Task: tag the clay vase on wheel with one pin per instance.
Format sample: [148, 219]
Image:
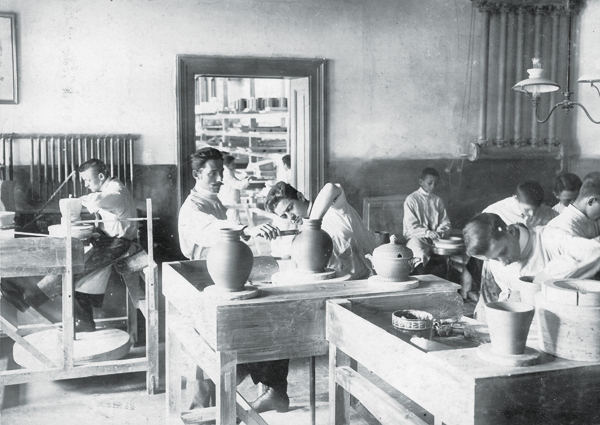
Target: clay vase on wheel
[312, 247]
[230, 261]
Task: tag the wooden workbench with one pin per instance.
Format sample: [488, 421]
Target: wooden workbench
[453, 384]
[286, 321]
[40, 256]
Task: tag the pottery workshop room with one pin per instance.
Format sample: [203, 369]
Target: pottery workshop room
[311, 212]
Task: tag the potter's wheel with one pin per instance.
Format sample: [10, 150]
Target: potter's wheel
[296, 276]
[250, 291]
[410, 283]
[529, 357]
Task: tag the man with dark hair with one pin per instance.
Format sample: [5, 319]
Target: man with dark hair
[425, 218]
[203, 215]
[110, 200]
[517, 250]
[349, 234]
[201, 218]
[525, 206]
[581, 217]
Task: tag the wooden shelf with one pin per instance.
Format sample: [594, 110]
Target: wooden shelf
[234, 115]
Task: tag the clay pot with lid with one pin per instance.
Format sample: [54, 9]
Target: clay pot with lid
[393, 261]
[230, 261]
[312, 247]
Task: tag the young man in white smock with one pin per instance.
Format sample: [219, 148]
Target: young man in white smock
[349, 234]
[425, 218]
[201, 218]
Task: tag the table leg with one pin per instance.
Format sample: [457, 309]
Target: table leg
[312, 383]
[173, 374]
[339, 399]
[226, 388]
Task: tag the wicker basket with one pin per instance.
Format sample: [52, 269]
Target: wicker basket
[412, 320]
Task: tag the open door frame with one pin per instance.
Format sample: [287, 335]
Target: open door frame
[243, 67]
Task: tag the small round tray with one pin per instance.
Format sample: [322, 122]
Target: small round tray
[412, 320]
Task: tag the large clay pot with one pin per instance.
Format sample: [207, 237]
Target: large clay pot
[508, 323]
[312, 248]
[230, 261]
[393, 261]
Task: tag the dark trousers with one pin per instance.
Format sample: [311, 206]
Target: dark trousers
[272, 373]
[105, 251]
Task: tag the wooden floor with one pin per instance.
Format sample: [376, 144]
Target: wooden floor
[122, 399]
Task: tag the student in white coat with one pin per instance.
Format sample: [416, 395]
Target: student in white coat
[425, 218]
[201, 218]
[566, 189]
[518, 250]
[351, 238]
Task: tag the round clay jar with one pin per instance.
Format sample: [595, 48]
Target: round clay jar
[230, 261]
[312, 248]
[393, 261]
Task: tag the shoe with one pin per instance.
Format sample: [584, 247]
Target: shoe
[271, 399]
[14, 295]
[84, 326]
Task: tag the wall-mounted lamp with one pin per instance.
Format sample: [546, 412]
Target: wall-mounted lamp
[536, 84]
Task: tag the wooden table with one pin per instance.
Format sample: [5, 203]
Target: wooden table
[454, 384]
[286, 321]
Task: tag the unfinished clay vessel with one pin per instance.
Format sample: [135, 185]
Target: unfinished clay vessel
[230, 261]
[393, 261]
[312, 248]
[509, 323]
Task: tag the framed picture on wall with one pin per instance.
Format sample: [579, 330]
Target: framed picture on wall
[8, 58]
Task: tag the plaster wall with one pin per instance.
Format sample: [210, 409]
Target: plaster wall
[396, 75]
[588, 62]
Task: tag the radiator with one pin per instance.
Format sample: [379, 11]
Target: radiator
[52, 157]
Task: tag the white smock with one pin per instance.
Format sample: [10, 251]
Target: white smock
[509, 212]
[113, 202]
[422, 212]
[559, 208]
[563, 257]
[575, 223]
[201, 218]
[351, 238]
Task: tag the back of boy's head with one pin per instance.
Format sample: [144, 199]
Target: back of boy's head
[203, 155]
[590, 188]
[228, 159]
[480, 231]
[278, 192]
[530, 193]
[594, 175]
[567, 181]
[287, 161]
[95, 164]
[429, 172]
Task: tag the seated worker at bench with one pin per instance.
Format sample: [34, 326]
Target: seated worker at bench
[111, 200]
[425, 219]
[201, 217]
[349, 234]
[518, 250]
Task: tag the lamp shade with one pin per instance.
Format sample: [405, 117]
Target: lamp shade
[589, 78]
[536, 83]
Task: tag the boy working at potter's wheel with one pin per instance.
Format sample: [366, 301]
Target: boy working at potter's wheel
[349, 234]
[111, 200]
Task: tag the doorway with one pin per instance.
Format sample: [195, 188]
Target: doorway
[305, 79]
